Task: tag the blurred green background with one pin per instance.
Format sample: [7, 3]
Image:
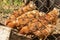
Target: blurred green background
[7, 6]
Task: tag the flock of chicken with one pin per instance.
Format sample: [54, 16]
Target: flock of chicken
[30, 21]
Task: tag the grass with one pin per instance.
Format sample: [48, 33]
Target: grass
[7, 6]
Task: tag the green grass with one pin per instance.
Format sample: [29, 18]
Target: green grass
[7, 6]
[11, 2]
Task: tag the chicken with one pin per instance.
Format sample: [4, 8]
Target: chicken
[44, 28]
[24, 30]
[35, 22]
[29, 7]
[22, 10]
[45, 32]
[52, 16]
[27, 17]
[11, 24]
